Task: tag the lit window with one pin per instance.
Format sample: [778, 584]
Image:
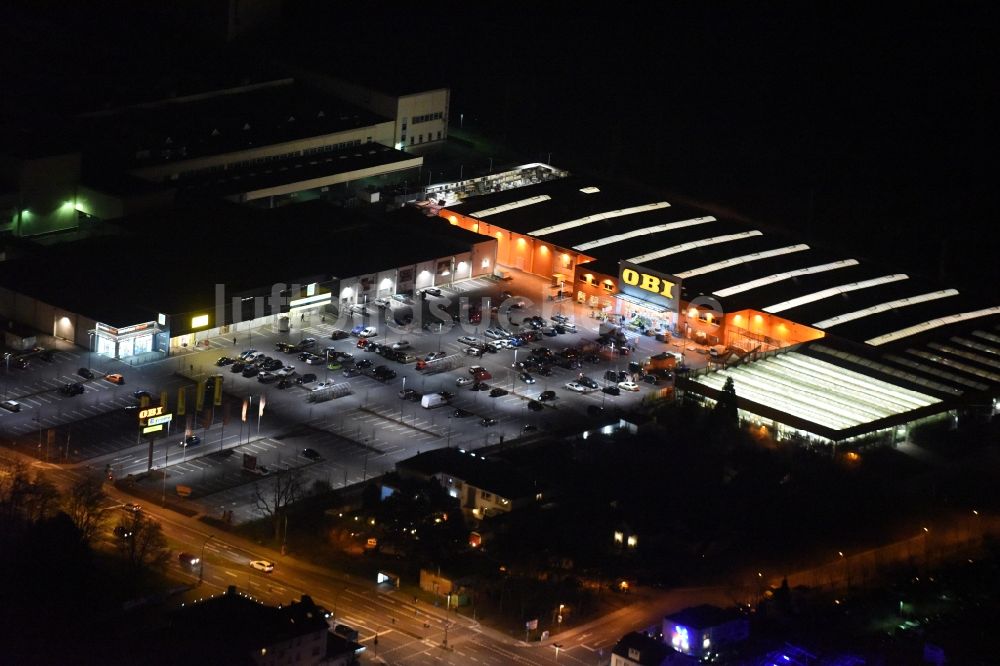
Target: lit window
[609, 285]
[619, 537]
[633, 541]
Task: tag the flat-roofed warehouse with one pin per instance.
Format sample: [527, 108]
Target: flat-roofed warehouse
[109, 297]
[661, 267]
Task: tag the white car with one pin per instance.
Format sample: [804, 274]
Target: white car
[468, 340]
[628, 386]
[435, 355]
[322, 385]
[368, 332]
[579, 388]
[463, 381]
[262, 565]
[402, 344]
[494, 333]
[497, 344]
[286, 371]
[11, 405]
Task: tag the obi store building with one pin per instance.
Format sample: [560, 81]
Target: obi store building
[820, 343]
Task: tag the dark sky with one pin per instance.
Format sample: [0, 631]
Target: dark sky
[871, 129]
[867, 129]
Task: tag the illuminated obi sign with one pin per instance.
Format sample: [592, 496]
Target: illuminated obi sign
[656, 288]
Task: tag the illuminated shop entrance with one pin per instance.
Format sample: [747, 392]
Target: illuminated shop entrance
[127, 341]
[641, 316]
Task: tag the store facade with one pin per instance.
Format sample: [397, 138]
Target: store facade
[123, 342]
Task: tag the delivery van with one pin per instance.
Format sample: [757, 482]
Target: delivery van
[432, 400]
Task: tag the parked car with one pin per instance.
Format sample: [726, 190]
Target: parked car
[529, 428]
[474, 351]
[262, 565]
[368, 332]
[248, 354]
[547, 395]
[86, 373]
[307, 343]
[339, 334]
[468, 340]
[11, 405]
[463, 381]
[588, 382]
[628, 386]
[132, 507]
[266, 377]
[223, 360]
[410, 394]
[488, 421]
[71, 388]
[461, 413]
[306, 378]
[498, 392]
[526, 378]
[364, 363]
[383, 373]
[250, 371]
[535, 406]
[312, 454]
[611, 390]
[480, 386]
[115, 378]
[284, 383]
[402, 344]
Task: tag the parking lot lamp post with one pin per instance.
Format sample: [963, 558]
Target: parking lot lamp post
[201, 562]
[326, 373]
[402, 401]
[90, 350]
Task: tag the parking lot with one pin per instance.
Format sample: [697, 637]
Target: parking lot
[368, 427]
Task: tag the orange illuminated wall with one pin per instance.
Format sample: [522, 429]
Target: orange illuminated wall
[776, 328]
[522, 252]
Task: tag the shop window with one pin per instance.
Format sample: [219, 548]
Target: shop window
[581, 297]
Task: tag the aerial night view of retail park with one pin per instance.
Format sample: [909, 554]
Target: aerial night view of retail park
[498, 333]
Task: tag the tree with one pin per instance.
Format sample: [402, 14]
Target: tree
[141, 542]
[726, 407]
[83, 506]
[273, 500]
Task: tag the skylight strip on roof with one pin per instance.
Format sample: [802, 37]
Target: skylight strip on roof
[513, 205]
[932, 324]
[937, 372]
[885, 307]
[978, 346]
[985, 374]
[985, 335]
[834, 291]
[887, 370]
[684, 247]
[961, 353]
[607, 240]
[597, 217]
[780, 277]
[745, 259]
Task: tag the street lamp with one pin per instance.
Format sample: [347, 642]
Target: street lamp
[201, 562]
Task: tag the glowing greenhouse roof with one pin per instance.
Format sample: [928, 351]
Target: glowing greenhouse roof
[817, 391]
